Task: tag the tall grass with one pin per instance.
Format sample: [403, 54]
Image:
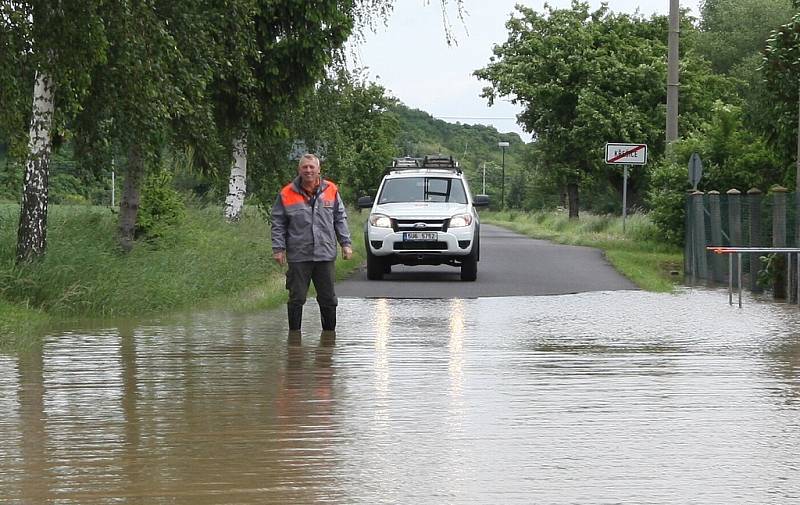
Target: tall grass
[20, 326]
[202, 262]
[639, 252]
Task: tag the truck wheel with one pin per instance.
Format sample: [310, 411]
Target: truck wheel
[469, 267]
[375, 266]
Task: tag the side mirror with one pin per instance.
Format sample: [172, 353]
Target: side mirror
[365, 202]
[480, 201]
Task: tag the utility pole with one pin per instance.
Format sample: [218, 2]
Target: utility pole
[672, 71]
[503, 145]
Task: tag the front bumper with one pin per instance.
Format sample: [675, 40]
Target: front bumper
[454, 242]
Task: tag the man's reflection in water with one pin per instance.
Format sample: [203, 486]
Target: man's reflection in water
[294, 338]
[327, 338]
[309, 384]
[307, 421]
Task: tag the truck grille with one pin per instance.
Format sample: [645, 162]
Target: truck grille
[400, 225]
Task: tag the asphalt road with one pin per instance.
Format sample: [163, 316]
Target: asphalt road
[511, 265]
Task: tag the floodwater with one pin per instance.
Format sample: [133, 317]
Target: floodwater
[608, 397]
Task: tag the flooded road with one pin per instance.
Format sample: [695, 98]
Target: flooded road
[606, 397]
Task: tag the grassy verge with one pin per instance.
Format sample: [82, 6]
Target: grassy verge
[20, 326]
[637, 253]
[204, 262]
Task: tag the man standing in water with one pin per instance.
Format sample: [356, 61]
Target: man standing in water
[308, 219]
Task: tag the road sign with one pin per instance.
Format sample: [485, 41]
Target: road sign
[626, 154]
[695, 170]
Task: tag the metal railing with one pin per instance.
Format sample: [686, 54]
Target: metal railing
[738, 251]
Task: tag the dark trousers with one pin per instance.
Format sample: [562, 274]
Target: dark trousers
[298, 278]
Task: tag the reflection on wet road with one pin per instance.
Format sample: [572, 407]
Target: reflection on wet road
[623, 397]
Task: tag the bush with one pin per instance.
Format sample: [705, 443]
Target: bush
[161, 207]
[666, 198]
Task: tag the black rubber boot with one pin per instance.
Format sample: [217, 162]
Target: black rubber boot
[328, 318]
[295, 313]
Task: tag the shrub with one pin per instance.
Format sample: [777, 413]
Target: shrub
[161, 207]
[667, 197]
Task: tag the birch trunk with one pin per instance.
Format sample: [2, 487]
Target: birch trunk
[237, 183]
[32, 231]
[129, 204]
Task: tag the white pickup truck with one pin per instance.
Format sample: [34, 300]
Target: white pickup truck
[423, 214]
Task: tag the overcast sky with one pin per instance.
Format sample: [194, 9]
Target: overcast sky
[411, 59]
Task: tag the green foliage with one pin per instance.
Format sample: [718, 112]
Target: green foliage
[269, 56]
[20, 326]
[733, 30]
[781, 68]
[64, 41]
[347, 122]
[733, 158]
[564, 66]
[667, 198]
[772, 266]
[10, 179]
[161, 206]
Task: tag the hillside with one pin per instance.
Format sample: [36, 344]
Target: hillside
[472, 145]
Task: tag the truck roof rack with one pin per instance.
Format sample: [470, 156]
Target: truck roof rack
[406, 162]
[431, 161]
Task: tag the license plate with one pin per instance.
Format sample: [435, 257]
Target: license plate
[419, 235]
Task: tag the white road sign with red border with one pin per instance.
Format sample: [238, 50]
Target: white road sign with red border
[626, 154]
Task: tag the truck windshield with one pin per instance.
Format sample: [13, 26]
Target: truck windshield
[423, 189]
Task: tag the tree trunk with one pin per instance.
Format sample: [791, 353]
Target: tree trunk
[572, 194]
[129, 204]
[237, 182]
[32, 231]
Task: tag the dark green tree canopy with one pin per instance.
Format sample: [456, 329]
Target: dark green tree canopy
[732, 30]
[584, 78]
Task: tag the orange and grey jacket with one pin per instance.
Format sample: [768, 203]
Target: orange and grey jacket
[309, 227]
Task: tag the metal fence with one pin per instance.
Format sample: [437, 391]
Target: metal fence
[733, 219]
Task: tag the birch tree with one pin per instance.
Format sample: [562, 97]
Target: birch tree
[32, 230]
[55, 44]
[293, 45]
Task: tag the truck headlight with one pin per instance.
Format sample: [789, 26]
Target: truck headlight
[460, 220]
[380, 221]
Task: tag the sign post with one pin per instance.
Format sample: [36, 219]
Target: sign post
[625, 155]
[695, 170]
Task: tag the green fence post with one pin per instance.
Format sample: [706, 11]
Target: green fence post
[718, 261]
[735, 226]
[754, 197]
[699, 236]
[779, 238]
